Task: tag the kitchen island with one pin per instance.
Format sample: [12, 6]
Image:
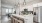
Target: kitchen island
[21, 18]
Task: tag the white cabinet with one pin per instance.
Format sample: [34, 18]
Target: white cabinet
[28, 19]
[23, 19]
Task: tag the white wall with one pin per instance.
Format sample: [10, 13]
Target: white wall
[8, 11]
[4, 7]
[30, 8]
[0, 11]
[3, 11]
[40, 14]
[0, 7]
[40, 11]
[21, 8]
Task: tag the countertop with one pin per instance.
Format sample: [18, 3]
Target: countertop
[23, 16]
[27, 18]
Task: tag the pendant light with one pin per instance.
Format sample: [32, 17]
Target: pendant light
[18, 4]
[24, 3]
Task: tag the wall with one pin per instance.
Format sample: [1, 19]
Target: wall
[8, 11]
[4, 7]
[3, 11]
[39, 10]
[30, 8]
[0, 7]
[21, 8]
[0, 11]
[41, 14]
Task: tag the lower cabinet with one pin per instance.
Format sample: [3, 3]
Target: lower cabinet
[14, 20]
[11, 20]
[19, 21]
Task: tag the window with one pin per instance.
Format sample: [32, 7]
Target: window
[10, 10]
[6, 10]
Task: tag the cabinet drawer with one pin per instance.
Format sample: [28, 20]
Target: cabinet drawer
[19, 21]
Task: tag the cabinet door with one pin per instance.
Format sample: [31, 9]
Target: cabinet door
[11, 20]
[19, 21]
[16, 21]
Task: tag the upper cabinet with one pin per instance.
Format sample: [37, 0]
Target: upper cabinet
[37, 4]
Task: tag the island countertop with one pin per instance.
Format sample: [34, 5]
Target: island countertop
[22, 16]
[27, 18]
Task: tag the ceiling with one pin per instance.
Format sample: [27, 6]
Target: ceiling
[13, 2]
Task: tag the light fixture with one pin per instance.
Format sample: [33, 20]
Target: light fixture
[15, 5]
[24, 3]
[18, 4]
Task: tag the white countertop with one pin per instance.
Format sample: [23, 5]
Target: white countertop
[23, 16]
[27, 18]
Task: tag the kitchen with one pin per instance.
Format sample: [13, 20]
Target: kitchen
[16, 11]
